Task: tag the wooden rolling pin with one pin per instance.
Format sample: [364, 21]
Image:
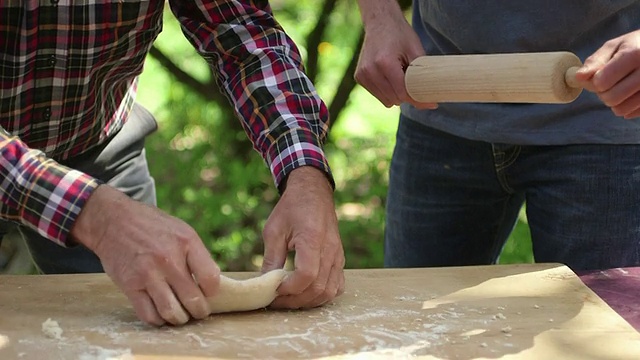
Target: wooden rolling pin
[505, 78]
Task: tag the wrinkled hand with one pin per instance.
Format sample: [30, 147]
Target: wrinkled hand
[390, 44]
[304, 221]
[158, 261]
[613, 73]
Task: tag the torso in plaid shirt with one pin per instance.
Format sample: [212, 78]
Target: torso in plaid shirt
[68, 81]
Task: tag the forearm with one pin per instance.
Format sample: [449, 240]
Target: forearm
[373, 12]
[38, 192]
[260, 70]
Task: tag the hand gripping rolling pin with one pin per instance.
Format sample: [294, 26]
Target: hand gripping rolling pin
[497, 78]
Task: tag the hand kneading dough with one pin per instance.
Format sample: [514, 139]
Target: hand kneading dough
[245, 295]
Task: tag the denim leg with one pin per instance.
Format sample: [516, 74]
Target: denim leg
[121, 164]
[583, 204]
[446, 204]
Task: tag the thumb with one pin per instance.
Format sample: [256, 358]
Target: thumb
[275, 250]
[595, 62]
[413, 51]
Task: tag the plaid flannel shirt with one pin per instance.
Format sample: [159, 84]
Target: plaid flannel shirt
[68, 73]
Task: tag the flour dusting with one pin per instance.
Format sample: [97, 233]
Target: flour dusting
[100, 353]
[354, 330]
[52, 329]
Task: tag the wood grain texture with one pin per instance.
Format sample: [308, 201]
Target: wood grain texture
[493, 78]
[538, 311]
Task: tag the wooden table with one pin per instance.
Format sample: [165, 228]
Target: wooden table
[538, 311]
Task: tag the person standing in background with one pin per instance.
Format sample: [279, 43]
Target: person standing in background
[461, 172]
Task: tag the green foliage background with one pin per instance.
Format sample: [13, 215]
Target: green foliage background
[208, 175]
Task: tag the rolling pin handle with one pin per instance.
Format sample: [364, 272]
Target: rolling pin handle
[570, 77]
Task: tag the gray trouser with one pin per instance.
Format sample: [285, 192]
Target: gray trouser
[121, 163]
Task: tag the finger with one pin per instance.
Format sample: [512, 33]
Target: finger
[633, 115]
[187, 291]
[587, 85]
[596, 61]
[395, 78]
[341, 285]
[314, 295]
[144, 308]
[368, 76]
[628, 107]
[340, 263]
[205, 271]
[422, 106]
[307, 267]
[275, 248]
[619, 67]
[622, 91]
[166, 303]
[331, 288]
[376, 91]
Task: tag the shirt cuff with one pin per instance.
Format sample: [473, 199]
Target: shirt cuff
[40, 193]
[61, 195]
[293, 149]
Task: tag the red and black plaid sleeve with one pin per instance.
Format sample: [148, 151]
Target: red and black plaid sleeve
[67, 83]
[39, 192]
[260, 69]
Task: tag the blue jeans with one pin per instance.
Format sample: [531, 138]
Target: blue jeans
[120, 163]
[454, 201]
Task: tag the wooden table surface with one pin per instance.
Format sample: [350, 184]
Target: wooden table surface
[540, 311]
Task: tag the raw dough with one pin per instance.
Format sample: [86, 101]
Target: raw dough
[100, 353]
[245, 295]
[51, 329]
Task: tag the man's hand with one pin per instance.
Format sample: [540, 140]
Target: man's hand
[158, 261]
[613, 73]
[304, 221]
[390, 44]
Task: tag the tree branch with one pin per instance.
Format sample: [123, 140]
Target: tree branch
[346, 85]
[315, 38]
[208, 91]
